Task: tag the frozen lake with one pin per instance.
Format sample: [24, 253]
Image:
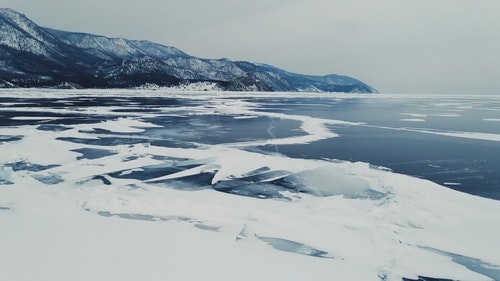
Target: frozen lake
[356, 187]
[447, 139]
[451, 140]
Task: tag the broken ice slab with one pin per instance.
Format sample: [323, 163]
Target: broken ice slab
[49, 179]
[261, 190]
[93, 153]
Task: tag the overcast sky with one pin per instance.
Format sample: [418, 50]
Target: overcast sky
[396, 46]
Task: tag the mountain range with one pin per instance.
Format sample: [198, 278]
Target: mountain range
[35, 56]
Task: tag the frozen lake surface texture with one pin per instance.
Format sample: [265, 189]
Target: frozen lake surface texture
[157, 185]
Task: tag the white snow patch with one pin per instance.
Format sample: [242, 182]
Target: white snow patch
[446, 115]
[467, 135]
[245, 117]
[123, 125]
[28, 118]
[412, 120]
[452, 183]
[415, 114]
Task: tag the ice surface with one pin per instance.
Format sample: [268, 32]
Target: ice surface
[103, 200]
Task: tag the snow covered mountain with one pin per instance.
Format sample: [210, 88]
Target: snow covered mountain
[34, 56]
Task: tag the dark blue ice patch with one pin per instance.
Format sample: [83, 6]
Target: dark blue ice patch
[171, 166]
[191, 183]
[53, 128]
[7, 138]
[76, 119]
[256, 190]
[93, 153]
[27, 166]
[48, 179]
[101, 131]
[103, 141]
[147, 172]
[423, 278]
[103, 179]
[118, 140]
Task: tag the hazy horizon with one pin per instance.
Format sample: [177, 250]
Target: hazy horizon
[420, 47]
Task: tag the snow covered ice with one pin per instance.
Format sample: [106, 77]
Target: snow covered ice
[154, 185]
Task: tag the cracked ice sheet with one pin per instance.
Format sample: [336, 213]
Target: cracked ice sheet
[56, 231]
[365, 238]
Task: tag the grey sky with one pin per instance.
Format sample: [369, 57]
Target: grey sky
[396, 46]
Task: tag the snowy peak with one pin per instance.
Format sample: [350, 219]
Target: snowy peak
[34, 56]
[20, 33]
[117, 47]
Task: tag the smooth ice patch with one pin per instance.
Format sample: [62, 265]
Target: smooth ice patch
[294, 247]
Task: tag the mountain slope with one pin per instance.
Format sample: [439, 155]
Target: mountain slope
[116, 47]
[33, 56]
